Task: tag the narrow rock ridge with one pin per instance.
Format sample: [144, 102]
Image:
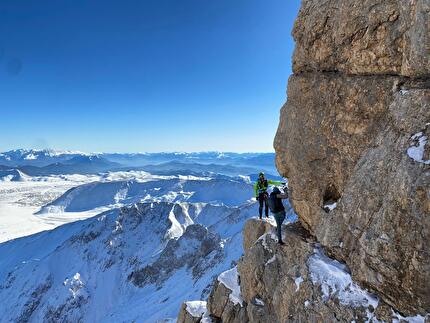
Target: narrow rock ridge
[296, 282]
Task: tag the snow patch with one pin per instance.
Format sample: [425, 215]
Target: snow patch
[196, 308]
[410, 319]
[259, 302]
[335, 280]
[330, 206]
[206, 318]
[270, 220]
[177, 229]
[30, 156]
[245, 179]
[271, 260]
[307, 303]
[416, 149]
[298, 280]
[75, 284]
[230, 279]
[121, 195]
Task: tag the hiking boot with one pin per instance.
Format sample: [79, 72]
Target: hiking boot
[281, 243]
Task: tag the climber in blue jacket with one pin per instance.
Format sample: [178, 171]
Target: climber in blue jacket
[277, 208]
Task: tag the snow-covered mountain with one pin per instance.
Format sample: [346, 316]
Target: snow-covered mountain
[221, 158]
[136, 263]
[76, 165]
[104, 194]
[12, 174]
[245, 162]
[190, 168]
[162, 240]
[37, 157]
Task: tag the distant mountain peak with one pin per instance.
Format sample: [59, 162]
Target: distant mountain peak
[30, 154]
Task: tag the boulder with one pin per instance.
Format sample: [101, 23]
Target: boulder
[253, 230]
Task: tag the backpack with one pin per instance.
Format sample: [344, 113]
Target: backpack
[275, 203]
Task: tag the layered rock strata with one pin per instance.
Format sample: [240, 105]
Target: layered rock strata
[353, 141]
[296, 282]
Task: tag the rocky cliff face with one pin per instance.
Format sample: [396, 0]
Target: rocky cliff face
[353, 142]
[354, 134]
[381, 37]
[297, 282]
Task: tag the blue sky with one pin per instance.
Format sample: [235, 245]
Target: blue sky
[158, 75]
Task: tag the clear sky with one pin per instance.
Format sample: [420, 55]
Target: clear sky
[147, 75]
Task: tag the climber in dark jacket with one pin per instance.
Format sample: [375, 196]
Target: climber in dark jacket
[278, 210]
[260, 189]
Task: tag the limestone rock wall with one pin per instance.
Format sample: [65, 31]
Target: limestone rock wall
[357, 115]
[296, 282]
[363, 37]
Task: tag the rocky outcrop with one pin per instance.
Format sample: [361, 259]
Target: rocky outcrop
[193, 312]
[353, 141]
[191, 250]
[252, 231]
[222, 308]
[296, 282]
[363, 37]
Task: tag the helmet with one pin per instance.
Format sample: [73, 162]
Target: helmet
[261, 174]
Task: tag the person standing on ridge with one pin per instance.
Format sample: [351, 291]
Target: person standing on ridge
[278, 209]
[261, 195]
